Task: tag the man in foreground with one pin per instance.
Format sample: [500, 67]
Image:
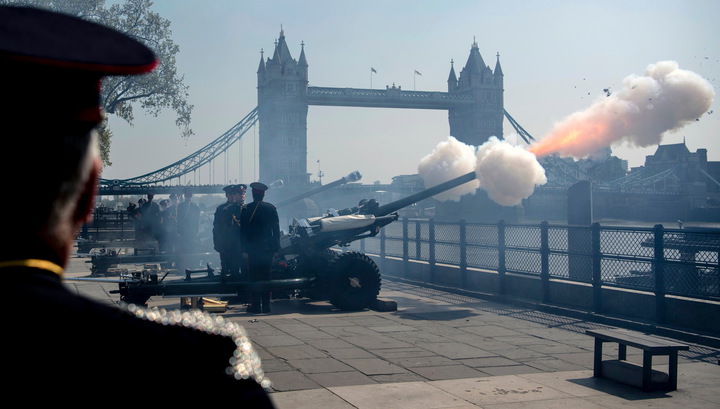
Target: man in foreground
[62, 344]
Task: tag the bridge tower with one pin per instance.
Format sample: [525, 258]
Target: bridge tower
[282, 116]
[474, 124]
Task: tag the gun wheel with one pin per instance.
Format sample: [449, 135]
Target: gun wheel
[354, 281]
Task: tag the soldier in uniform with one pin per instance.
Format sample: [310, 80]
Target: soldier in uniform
[149, 213]
[260, 243]
[188, 224]
[168, 225]
[63, 344]
[226, 231]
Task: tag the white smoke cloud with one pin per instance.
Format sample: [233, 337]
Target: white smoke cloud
[507, 173]
[664, 99]
[449, 159]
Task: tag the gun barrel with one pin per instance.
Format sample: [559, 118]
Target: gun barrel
[351, 177]
[424, 194]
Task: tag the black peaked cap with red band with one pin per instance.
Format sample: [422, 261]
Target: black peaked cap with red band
[258, 188]
[48, 53]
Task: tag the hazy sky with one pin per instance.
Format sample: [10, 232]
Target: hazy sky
[557, 57]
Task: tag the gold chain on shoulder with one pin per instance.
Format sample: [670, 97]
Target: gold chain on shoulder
[34, 263]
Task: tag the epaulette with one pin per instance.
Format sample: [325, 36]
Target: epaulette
[245, 362]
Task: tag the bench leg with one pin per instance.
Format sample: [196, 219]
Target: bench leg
[622, 352]
[673, 370]
[647, 371]
[597, 364]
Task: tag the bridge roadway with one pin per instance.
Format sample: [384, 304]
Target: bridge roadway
[439, 350]
[391, 97]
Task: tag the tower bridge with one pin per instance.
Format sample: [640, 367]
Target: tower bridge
[474, 101]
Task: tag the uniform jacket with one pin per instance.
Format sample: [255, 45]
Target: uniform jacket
[260, 227]
[67, 345]
[188, 219]
[226, 227]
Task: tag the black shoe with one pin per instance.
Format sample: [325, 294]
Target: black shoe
[253, 310]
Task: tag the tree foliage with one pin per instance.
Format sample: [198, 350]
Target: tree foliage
[160, 89]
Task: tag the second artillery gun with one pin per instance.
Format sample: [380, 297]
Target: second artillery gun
[103, 259]
[307, 265]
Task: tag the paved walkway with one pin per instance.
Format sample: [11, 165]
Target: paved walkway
[441, 350]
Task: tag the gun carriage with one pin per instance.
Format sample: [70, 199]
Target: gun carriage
[307, 265]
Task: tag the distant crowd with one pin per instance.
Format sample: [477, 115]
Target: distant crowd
[173, 223]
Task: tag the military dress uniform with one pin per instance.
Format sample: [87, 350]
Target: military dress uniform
[60, 346]
[260, 241]
[168, 227]
[70, 345]
[188, 225]
[226, 234]
[149, 214]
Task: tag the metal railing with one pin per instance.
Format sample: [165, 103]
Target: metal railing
[682, 262]
[108, 224]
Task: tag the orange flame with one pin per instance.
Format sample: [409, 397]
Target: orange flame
[575, 137]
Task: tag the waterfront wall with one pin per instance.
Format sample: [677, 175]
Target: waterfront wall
[662, 277]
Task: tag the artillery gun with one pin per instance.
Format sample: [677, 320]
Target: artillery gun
[307, 265]
[351, 177]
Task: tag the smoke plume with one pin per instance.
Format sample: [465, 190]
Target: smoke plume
[449, 159]
[664, 99]
[507, 173]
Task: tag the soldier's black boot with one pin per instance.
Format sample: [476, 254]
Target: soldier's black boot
[254, 307]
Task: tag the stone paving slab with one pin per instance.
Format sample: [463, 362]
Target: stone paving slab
[573, 389]
[415, 395]
[499, 389]
[320, 365]
[350, 378]
[439, 350]
[296, 352]
[435, 372]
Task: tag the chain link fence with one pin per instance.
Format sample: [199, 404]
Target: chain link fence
[681, 262]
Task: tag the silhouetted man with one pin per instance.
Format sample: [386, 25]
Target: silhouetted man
[61, 343]
[188, 224]
[226, 231]
[260, 231]
[149, 213]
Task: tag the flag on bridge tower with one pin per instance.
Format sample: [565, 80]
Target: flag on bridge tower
[373, 70]
[416, 74]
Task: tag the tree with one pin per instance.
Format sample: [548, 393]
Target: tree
[160, 89]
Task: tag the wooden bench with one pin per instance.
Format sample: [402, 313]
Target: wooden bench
[626, 372]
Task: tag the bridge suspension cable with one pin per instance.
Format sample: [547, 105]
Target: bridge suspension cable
[519, 129]
[193, 161]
